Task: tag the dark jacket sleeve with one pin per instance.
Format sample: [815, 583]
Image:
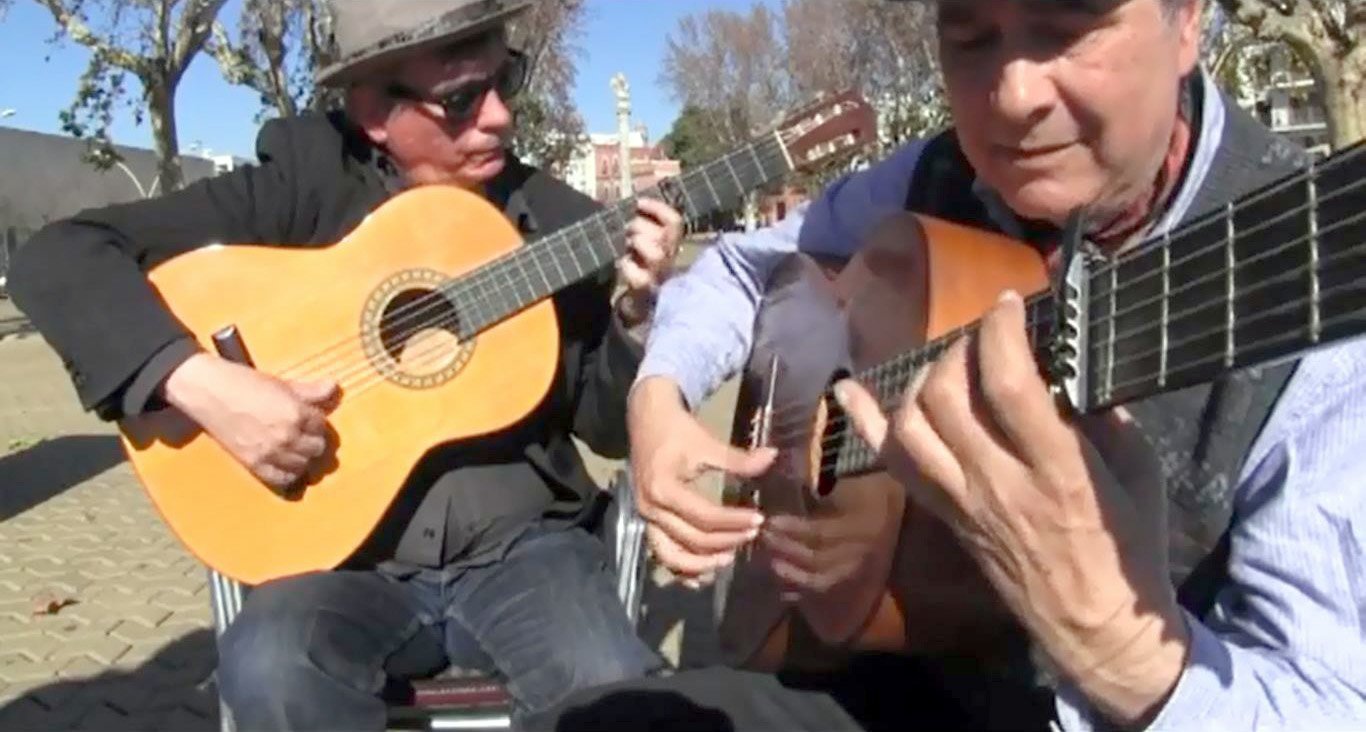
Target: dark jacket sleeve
[607, 369]
[607, 358]
[82, 280]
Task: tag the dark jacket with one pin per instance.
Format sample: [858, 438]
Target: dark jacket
[82, 283]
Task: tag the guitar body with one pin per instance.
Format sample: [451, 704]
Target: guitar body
[911, 589]
[345, 312]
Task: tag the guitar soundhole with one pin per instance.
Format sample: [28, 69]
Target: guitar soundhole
[412, 333]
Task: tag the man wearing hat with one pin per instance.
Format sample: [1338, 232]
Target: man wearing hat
[1241, 607]
[487, 560]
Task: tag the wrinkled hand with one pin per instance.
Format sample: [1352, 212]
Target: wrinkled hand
[1043, 510]
[652, 241]
[689, 534]
[276, 429]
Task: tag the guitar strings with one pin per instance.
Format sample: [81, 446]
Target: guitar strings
[842, 435]
[1313, 172]
[1178, 261]
[1281, 278]
[1093, 323]
[542, 250]
[806, 415]
[538, 257]
[439, 302]
[1341, 191]
[445, 316]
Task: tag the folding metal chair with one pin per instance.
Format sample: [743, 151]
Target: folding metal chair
[476, 702]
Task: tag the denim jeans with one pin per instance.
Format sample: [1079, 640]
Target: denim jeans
[316, 651]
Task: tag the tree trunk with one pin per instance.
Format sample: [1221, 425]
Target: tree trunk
[1344, 98]
[161, 112]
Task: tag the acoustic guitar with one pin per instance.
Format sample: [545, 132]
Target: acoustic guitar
[432, 316]
[1280, 271]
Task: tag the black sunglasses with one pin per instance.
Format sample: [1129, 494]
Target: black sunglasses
[461, 103]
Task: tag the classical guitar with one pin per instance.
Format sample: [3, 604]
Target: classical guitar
[1279, 272]
[433, 317]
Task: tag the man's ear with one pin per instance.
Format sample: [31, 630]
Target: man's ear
[1188, 19]
[369, 109]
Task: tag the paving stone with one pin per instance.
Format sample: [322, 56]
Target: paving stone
[105, 650]
[135, 650]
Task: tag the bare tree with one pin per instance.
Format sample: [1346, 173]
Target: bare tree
[728, 69]
[153, 41]
[1329, 36]
[280, 45]
[549, 126]
[885, 50]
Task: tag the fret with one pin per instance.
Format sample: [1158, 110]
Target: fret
[478, 301]
[584, 245]
[608, 240]
[1111, 327]
[758, 162]
[1315, 294]
[1230, 266]
[510, 297]
[783, 148]
[556, 255]
[619, 216]
[693, 210]
[534, 253]
[1165, 335]
[739, 184]
[525, 279]
[702, 173]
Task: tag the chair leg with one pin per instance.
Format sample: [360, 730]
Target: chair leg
[630, 545]
[225, 595]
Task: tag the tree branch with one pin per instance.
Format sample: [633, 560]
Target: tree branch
[75, 28]
[196, 24]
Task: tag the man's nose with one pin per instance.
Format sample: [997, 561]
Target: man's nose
[493, 112]
[1023, 92]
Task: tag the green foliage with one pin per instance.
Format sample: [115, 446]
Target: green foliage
[694, 140]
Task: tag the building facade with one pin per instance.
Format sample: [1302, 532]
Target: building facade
[1286, 99]
[595, 168]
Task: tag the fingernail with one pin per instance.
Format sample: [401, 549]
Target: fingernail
[842, 394]
[1009, 296]
[757, 521]
[752, 534]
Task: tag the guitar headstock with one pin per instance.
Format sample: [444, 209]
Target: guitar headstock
[827, 129]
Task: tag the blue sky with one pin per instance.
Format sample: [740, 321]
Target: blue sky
[620, 35]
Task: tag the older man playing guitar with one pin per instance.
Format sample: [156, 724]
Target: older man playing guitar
[1027, 534]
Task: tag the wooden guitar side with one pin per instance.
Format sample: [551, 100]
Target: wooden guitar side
[292, 304]
[913, 590]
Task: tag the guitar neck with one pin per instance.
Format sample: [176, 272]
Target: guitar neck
[1279, 272]
[548, 265]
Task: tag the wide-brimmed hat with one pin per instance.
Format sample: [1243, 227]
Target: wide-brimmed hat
[369, 33]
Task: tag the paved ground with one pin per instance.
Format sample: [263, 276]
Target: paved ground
[104, 619]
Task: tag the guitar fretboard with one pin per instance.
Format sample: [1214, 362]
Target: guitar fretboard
[546, 266]
[1279, 271]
